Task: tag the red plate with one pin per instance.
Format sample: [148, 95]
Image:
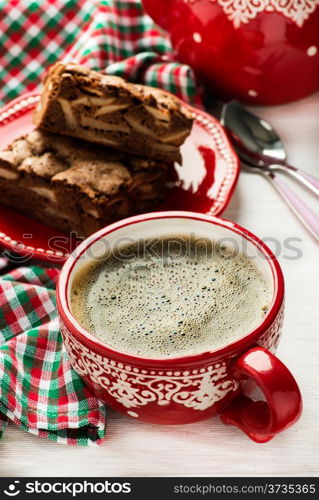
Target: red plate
[204, 183]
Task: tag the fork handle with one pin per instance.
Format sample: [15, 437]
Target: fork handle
[303, 212]
[308, 180]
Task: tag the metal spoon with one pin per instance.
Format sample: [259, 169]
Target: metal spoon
[301, 210]
[260, 141]
[242, 137]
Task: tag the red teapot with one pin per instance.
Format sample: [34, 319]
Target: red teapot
[258, 51]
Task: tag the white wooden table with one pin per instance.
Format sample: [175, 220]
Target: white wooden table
[210, 448]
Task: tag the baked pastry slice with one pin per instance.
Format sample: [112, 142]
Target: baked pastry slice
[108, 110]
[73, 185]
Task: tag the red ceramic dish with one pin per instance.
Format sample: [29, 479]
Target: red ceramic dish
[258, 51]
[188, 388]
[204, 183]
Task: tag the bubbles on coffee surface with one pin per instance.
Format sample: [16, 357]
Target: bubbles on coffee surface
[170, 297]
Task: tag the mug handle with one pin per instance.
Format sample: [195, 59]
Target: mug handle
[262, 420]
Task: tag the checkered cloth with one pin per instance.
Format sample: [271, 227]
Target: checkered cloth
[111, 35]
[39, 390]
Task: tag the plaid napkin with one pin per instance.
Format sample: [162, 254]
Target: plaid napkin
[39, 390]
[111, 35]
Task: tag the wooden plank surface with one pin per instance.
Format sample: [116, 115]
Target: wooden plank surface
[210, 448]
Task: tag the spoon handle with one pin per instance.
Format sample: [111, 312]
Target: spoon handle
[308, 180]
[303, 212]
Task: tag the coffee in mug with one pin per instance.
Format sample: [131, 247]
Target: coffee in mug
[170, 296]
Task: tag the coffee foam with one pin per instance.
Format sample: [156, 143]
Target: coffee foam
[170, 302]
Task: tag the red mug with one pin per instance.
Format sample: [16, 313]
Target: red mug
[187, 388]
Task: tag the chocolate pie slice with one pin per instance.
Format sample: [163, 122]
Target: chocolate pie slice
[73, 185]
[106, 109]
